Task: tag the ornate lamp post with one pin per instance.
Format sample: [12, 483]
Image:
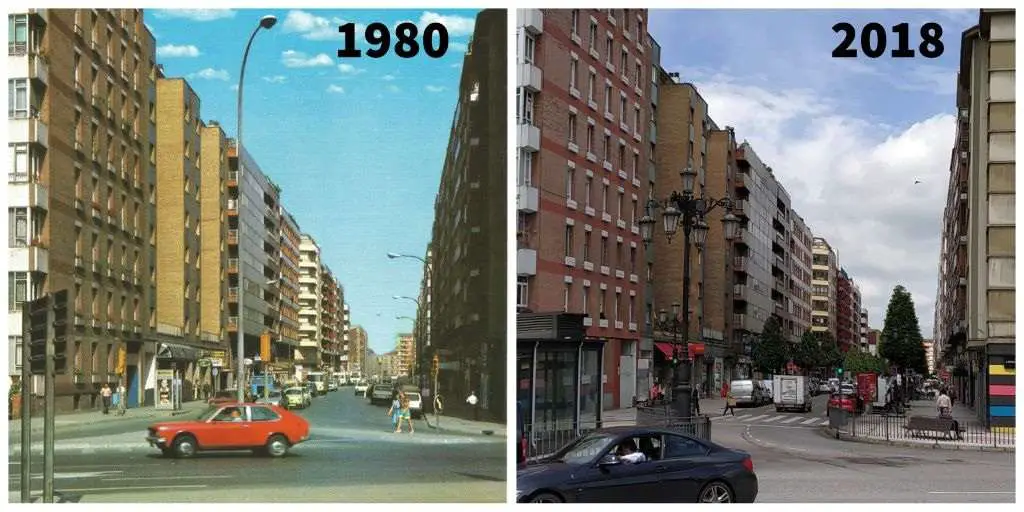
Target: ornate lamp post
[672, 324]
[686, 210]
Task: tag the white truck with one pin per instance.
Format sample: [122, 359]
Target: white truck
[791, 393]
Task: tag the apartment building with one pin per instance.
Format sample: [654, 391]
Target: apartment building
[975, 318]
[848, 319]
[308, 356]
[929, 354]
[874, 335]
[81, 203]
[469, 241]
[824, 286]
[213, 290]
[421, 327]
[582, 113]
[331, 318]
[864, 329]
[288, 286]
[801, 241]
[781, 259]
[405, 351]
[358, 350]
[345, 325]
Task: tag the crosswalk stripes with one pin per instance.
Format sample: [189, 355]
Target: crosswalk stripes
[791, 420]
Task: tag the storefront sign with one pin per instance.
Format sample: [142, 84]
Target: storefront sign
[164, 389]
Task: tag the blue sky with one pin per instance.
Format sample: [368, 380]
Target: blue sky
[357, 145]
[846, 137]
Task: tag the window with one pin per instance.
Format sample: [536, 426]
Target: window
[638, 73]
[23, 167]
[527, 116]
[17, 290]
[600, 303]
[636, 118]
[618, 298]
[678, 447]
[608, 98]
[568, 241]
[632, 213]
[622, 109]
[586, 300]
[586, 245]
[17, 231]
[590, 86]
[574, 67]
[17, 34]
[631, 306]
[607, 148]
[529, 47]
[609, 48]
[622, 156]
[263, 414]
[635, 164]
[624, 61]
[618, 205]
[590, 138]
[572, 128]
[593, 35]
[17, 98]
[525, 167]
[574, 26]
[604, 198]
[565, 297]
[604, 252]
[522, 291]
[639, 31]
[587, 189]
[570, 183]
[15, 341]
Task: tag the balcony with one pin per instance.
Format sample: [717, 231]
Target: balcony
[29, 259]
[31, 65]
[24, 191]
[532, 20]
[527, 199]
[529, 77]
[232, 236]
[233, 293]
[232, 323]
[740, 208]
[739, 264]
[232, 264]
[739, 321]
[526, 262]
[780, 284]
[528, 137]
[232, 207]
[739, 291]
[28, 129]
[603, 323]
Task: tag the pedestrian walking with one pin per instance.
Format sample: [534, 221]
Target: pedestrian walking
[696, 400]
[404, 412]
[396, 407]
[122, 404]
[730, 403]
[471, 400]
[106, 393]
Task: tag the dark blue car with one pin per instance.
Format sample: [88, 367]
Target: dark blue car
[606, 466]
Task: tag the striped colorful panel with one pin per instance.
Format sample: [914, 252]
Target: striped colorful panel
[998, 369]
[1001, 390]
[1001, 410]
[1004, 430]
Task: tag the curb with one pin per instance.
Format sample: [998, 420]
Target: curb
[14, 426]
[748, 437]
[833, 434]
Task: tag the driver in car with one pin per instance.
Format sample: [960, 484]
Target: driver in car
[628, 453]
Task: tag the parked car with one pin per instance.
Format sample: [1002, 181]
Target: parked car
[415, 404]
[296, 397]
[263, 428]
[360, 389]
[332, 385]
[746, 392]
[678, 469]
[223, 396]
[380, 394]
[848, 402]
[311, 390]
[274, 397]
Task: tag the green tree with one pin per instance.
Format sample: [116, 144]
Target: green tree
[807, 352]
[900, 342]
[771, 352]
[859, 362]
[829, 354]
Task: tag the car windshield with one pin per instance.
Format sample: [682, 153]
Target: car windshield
[584, 449]
[413, 397]
[293, 391]
[207, 413]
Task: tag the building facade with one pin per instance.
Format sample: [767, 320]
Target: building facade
[581, 155]
[824, 286]
[310, 296]
[213, 277]
[358, 350]
[975, 318]
[801, 241]
[287, 340]
[421, 327]
[469, 243]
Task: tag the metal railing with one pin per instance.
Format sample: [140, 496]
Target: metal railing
[894, 427]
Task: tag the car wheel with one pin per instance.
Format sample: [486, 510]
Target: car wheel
[715, 492]
[184, 446]
[277, 445]
[546, 497]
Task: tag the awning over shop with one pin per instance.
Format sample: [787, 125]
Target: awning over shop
[171, 351]
[696, 349]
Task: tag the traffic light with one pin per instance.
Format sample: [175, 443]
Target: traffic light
[38, 332]
[839, 371]
[435, 365]
[60, 331]
[265, 354]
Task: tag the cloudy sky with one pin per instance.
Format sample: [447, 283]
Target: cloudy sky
[846, 137]
[327, 130]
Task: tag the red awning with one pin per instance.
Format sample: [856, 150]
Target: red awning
[696, 349]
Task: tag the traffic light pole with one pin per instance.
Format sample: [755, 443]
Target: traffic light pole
[26, 407]
[48, 420]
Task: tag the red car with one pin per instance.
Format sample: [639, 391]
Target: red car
[849, 403]
[264, 428]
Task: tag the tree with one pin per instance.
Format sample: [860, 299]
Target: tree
[829, 356]
[807, 352]
[901, 341]
[771, 352]
[859, 362]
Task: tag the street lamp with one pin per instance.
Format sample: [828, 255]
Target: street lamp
[421, 347]
[266, 22]
[686, 210]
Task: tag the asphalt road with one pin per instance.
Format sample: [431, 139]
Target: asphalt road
[352, 457]
[796, 463]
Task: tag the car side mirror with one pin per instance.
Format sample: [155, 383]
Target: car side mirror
[609, 460]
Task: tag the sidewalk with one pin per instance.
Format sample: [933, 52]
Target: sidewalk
[68, 421]
[890, 431]
[711, 406]
[464, 426]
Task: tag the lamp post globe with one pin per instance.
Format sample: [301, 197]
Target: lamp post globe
[671, 220]
[699, 233]
[268, 21]
[647, 228]
[689, 177]
[731, 226]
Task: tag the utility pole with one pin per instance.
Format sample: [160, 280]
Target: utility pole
[26, 404]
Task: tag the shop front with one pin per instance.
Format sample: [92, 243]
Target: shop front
[664, 363]
[177, 375]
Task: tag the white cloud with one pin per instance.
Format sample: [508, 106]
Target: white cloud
[435, 88]
[316, 28]
[349, 69]
[171, 50]
[393, 88]
[294, 59]
[455, 25]
[455, 46]
[457, 65]
[195, 14]
[852, 180]
[337, 89]
[388, 78]
[234, 87]
[277, 79]
[211, 74]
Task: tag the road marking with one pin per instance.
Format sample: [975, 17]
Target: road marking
[808, 422]
[751, 418]
[972, 492]
[139, 488]
[790, 420]
[170, 477]
[773, 418]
